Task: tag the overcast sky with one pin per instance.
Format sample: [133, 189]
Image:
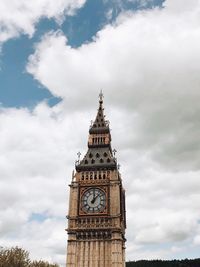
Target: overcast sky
[55, 57]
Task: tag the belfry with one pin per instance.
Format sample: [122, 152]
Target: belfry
[96, 216]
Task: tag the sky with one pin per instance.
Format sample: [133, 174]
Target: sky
[55, 57]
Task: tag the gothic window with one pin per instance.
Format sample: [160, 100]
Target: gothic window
[108, 160]
[101, 160]
[90, 155]
[105, 154]
[97, 155]
[86, 162]
[92, 161]
[82, 177]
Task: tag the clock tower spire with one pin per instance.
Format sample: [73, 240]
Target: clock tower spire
[96, 217]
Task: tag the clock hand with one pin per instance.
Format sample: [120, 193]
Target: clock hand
[94, 199]
[93, 193]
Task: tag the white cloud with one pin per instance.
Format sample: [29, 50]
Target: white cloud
[38, 151]
[148, 63]
[148, 66]
[18, 17]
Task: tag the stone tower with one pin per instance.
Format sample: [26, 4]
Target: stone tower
[96, 217]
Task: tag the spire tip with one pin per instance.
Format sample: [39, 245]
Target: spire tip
[101, 97]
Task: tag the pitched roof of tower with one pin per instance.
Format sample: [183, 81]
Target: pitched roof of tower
[100, 124]
[99, 154]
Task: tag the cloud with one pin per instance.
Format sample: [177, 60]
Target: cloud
[21, 17]
[38, 151]
[147, 63]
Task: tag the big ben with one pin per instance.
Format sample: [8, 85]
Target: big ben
[96, 216]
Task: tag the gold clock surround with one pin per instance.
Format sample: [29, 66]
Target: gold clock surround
[83, 190]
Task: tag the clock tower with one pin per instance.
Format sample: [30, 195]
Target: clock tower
[96, 217]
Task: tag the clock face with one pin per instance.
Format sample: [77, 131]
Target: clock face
[93, 200]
